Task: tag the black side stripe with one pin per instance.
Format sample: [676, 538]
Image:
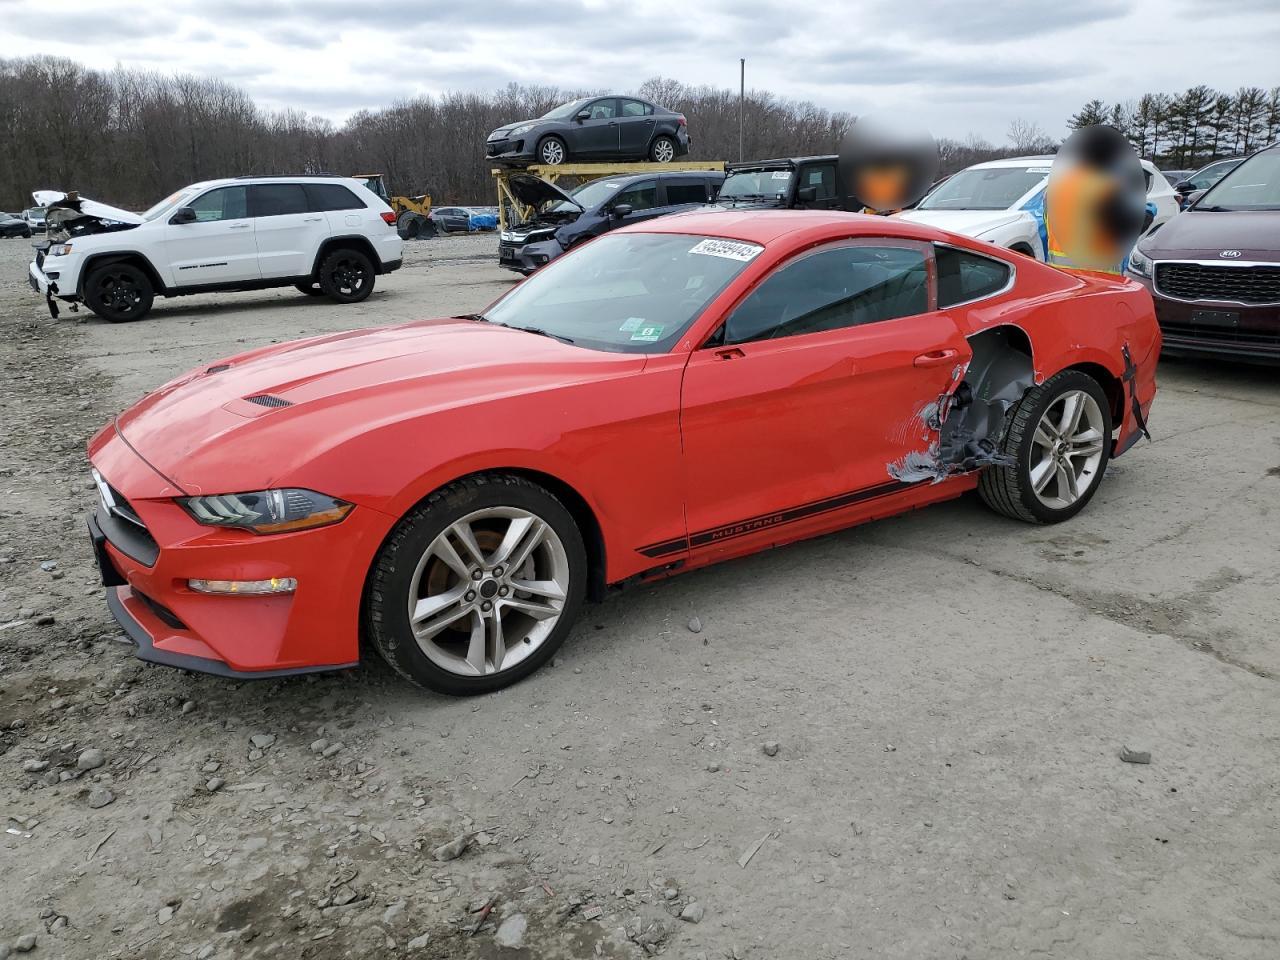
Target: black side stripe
[753, 524]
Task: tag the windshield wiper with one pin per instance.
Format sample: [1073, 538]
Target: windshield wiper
[537, 330]
[1214, 209]
[542, 333]
[470, 316]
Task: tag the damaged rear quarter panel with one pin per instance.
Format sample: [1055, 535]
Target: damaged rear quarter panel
[1066, 320]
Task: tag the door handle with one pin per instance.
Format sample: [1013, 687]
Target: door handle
[732, 353]
[935, 358]
[312, 219]
[240, 226]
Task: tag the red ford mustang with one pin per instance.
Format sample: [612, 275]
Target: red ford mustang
[669, 395]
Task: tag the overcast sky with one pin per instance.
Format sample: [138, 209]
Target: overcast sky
[955, 65]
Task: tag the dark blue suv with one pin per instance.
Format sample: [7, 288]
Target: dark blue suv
[563, 219]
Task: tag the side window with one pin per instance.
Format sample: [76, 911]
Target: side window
[604, 109]
[331, 196]
[968, 276]
[843, 286]
[822, 177]
[686, 191]
[277, 199]
[224, 203]
[641, 196]
[634, 108]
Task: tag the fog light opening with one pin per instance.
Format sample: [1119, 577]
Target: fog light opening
[248, 588]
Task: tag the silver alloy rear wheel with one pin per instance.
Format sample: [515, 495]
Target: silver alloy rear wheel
[1066, 452]
[489, 591]
[663, 151]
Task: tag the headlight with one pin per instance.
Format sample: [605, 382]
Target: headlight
[267, 511]
[523, 128]
[59, 250]
[1139, 264]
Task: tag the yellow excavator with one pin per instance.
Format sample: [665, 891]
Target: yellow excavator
[413, 214]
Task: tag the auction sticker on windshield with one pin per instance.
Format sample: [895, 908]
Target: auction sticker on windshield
[729, 249]
[648, 334]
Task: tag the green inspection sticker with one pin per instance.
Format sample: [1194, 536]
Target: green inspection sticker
[631, 324]
[651, 333]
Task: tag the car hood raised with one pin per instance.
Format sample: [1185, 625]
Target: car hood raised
[1248, 234]
[203, 433]
[970, 223]
[62, 207]
[535, 192]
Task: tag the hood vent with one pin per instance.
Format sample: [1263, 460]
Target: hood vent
[266, 400]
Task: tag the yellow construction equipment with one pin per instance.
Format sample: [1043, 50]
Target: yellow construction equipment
[413, 214]
[580, 172]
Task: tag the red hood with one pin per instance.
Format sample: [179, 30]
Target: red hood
[203, 434]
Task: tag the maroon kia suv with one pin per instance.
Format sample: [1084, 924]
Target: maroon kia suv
[1214, 270]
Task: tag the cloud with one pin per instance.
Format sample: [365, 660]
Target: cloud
[955, 66]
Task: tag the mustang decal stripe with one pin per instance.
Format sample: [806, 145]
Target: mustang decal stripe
[764, 520]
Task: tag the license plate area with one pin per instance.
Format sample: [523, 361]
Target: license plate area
[1223, 319]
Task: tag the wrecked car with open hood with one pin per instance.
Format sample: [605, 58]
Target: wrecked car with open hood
[562, 220]
[328, 236]
[672, 394]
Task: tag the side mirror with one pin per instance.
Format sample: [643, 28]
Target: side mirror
[622, 210]
[1184, 187]
[183, 215]
[582, 115]
[807, 194]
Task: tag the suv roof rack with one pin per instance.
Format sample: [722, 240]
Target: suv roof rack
[287, 176]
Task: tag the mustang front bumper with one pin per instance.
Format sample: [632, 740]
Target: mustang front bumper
[148, 549]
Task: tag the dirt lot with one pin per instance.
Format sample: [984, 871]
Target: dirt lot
[949, 691]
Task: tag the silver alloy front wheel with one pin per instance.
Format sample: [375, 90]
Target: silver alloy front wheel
[488, 591]
[552, 152]
[1067, 449]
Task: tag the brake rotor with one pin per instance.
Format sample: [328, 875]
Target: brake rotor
[440, 576]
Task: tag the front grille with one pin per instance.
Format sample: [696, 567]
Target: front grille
[266, 400]
[1199, 281]
[1196, 331]
[124, 509]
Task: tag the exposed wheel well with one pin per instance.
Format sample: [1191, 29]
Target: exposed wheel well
[136, 259]
[1023, 248]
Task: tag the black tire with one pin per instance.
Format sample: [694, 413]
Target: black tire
[386, 600]
[310, 288]
[118, 292]
[662, 150]
[1009, 490]
[346, 275]
[408, 226]
[552, 151]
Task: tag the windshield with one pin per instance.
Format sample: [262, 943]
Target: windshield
[756, 184]
[992, 188]
[564, 111]
[168, 203]
[1254, 185]
[587, 196]
[36, 213]
[625, 292]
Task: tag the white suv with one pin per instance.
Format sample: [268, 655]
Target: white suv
[324, 235]
[1002, 202]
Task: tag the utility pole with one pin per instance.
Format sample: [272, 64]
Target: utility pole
[742, 95]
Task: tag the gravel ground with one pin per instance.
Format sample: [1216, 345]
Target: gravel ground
[900, 741]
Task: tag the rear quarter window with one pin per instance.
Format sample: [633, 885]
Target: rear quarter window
[331, 196]
[966, 276]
